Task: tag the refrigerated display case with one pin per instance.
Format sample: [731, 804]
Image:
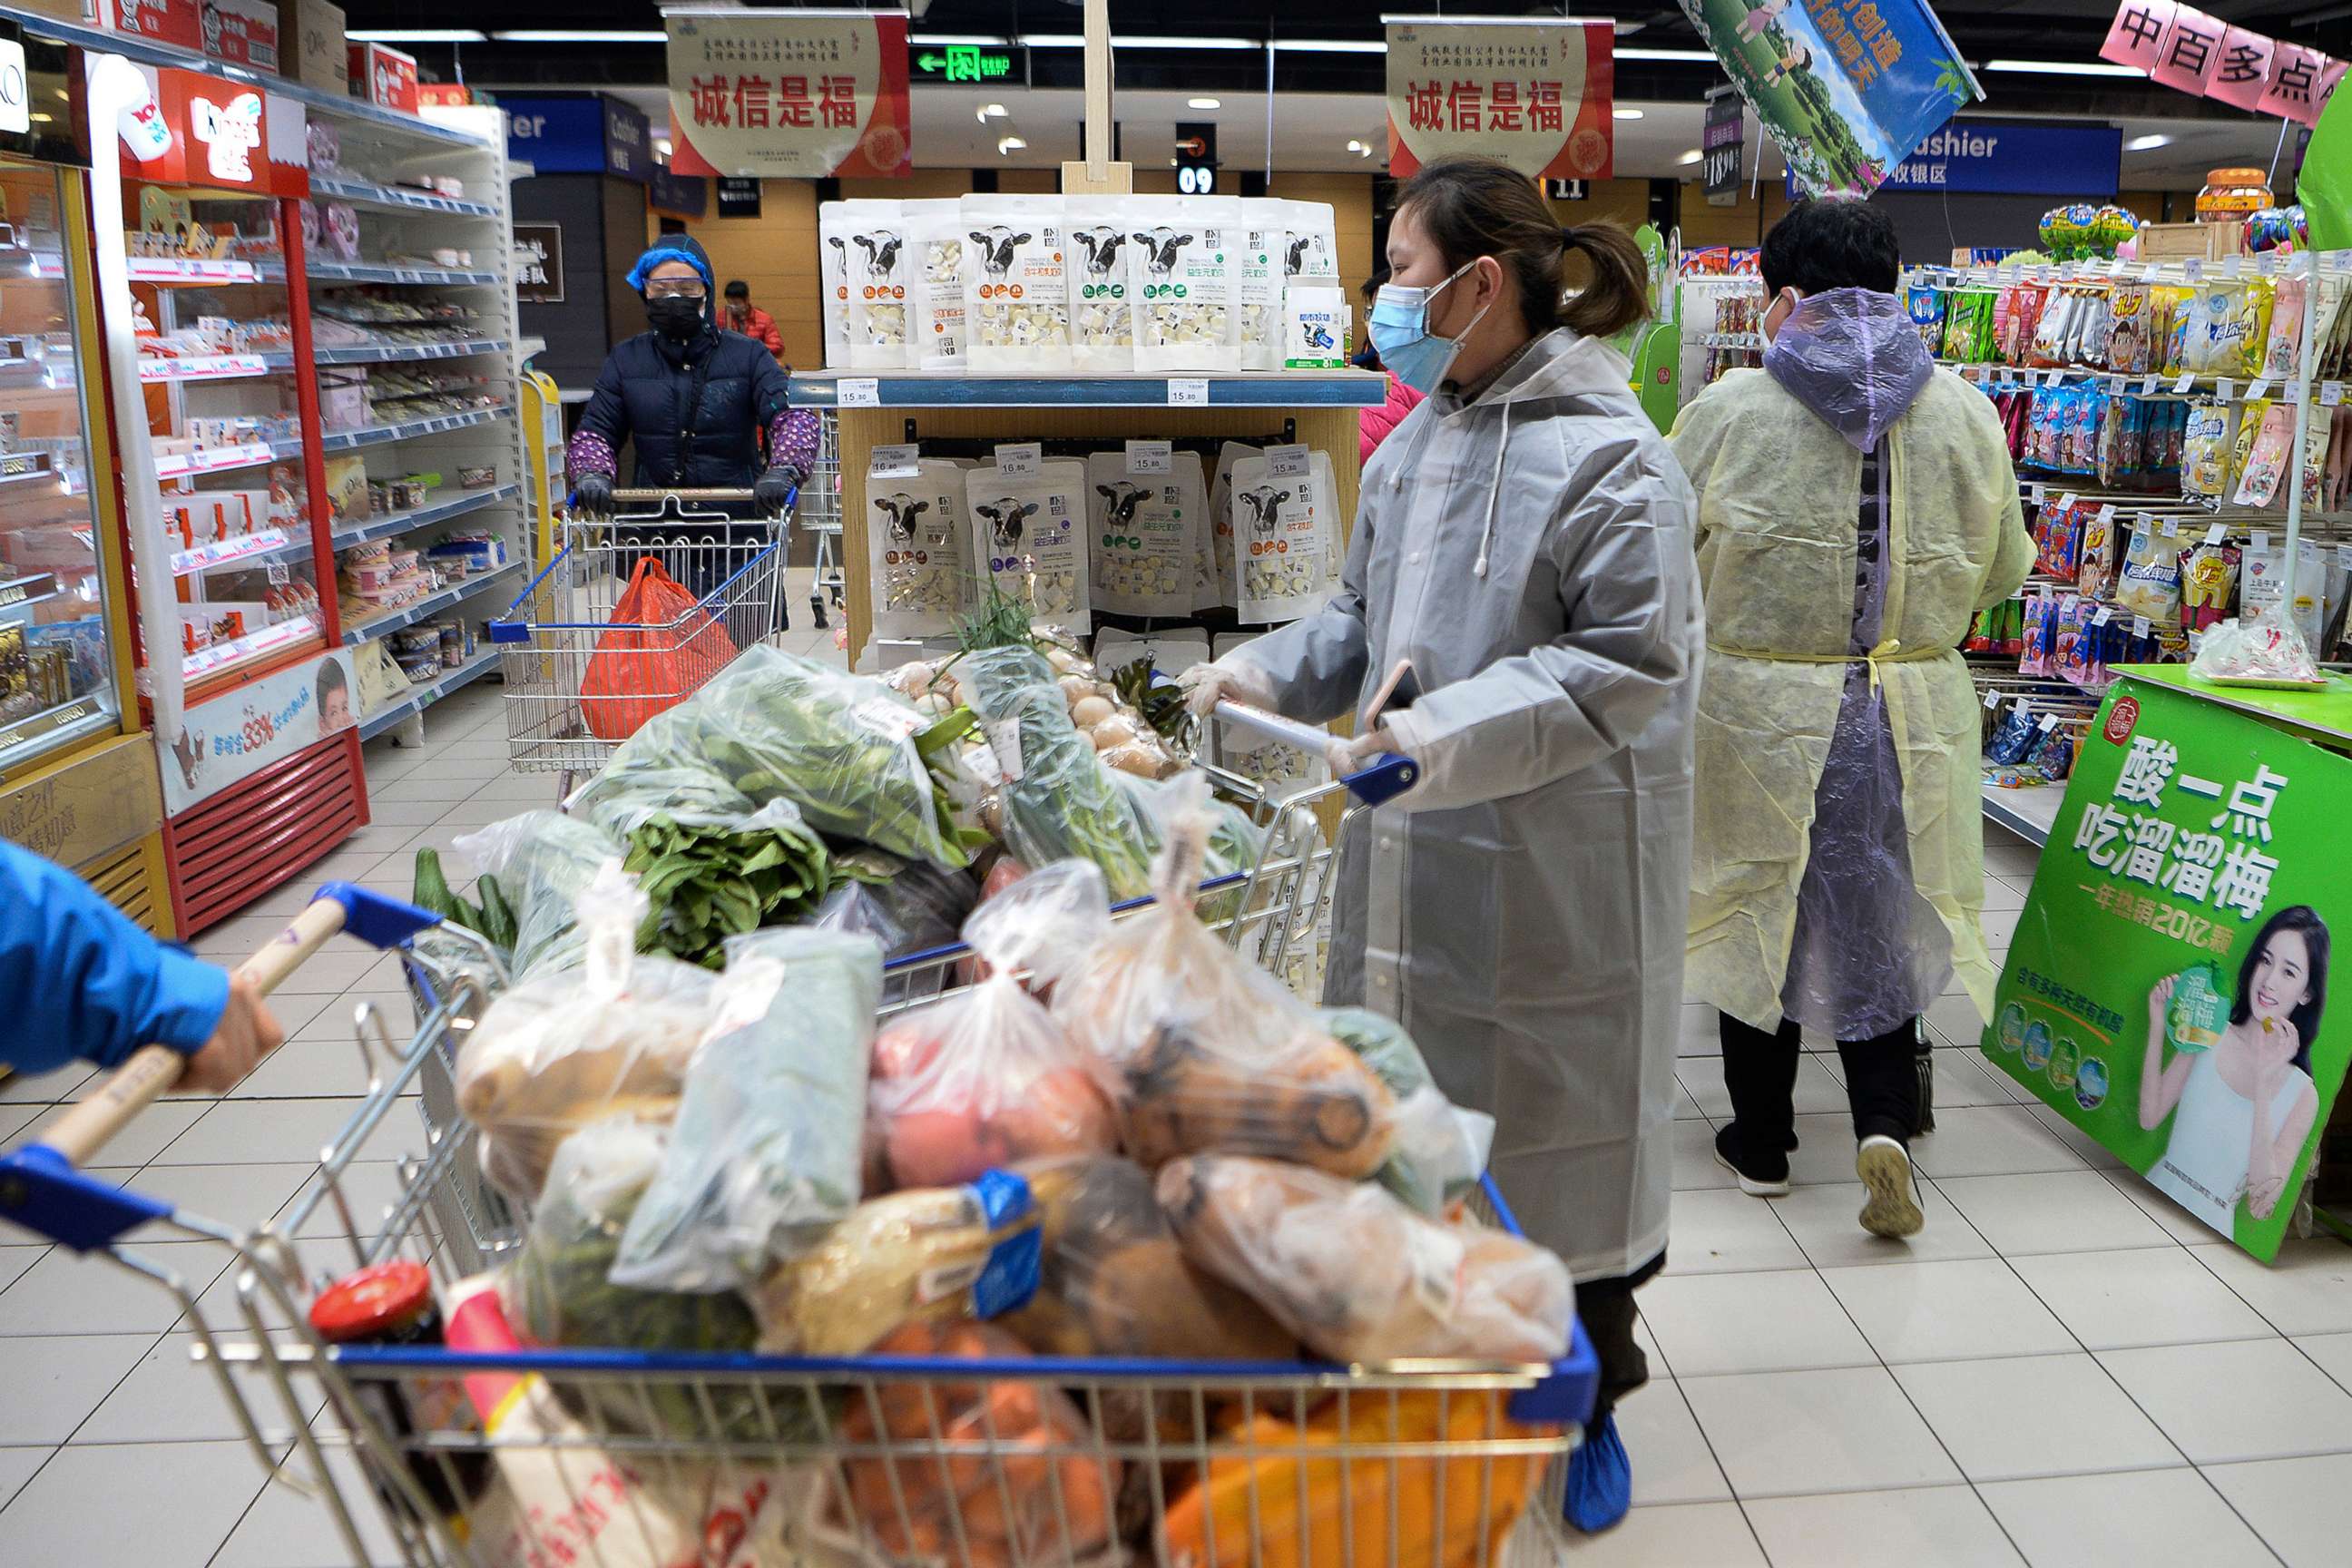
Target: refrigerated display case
[77, 775]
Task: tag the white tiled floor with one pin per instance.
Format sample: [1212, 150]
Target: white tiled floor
[2063, 1371]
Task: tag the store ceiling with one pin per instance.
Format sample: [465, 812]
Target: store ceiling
[1325, 98]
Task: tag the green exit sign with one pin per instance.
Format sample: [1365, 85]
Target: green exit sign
[971, 63]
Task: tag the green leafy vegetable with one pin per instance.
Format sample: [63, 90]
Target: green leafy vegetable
[705, 883]
[1160, 703]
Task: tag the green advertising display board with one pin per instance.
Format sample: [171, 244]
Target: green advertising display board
[2167, 988]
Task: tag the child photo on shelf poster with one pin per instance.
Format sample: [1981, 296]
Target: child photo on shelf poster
[2165, 990]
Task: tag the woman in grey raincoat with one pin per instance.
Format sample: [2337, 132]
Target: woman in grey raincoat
[1524, 546]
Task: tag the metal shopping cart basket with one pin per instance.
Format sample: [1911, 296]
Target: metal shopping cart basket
[552, 634]
[661, 1459]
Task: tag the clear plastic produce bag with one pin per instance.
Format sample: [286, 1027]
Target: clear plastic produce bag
[2238, 652]
[542, 860]
[1357, 1275]
[765, 1155]
[1440, 1150]
[987, 1076]
[565, 1048]
[1199, 1051]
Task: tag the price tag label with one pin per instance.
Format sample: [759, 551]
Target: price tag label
[2147, 386]
[857, 392]
[1020, 461]
[2054, 378]
[1145, 458]
[2106, 613]
[2049, 722]
[1188, 392]
[2171, 528]
[2213, 535]
[1004, 740]
[893, 462]
[2186, 384]
[2150, 271]
[2195, 268]
[1286, 462]
[2258, 541]
[2258, 387]
[2225, 389]
[2267, 262]
[2034, 494]
[1992, 698]
[2140, 627]
[2331, 393]
[2106, 516]
[2231, 265]
[2067, 500]
[278, 575]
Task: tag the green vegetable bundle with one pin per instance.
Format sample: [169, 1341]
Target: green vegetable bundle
[706, 883]
[535, 865]
[853, 756]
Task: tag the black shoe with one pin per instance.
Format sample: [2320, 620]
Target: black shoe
[1760, 1177]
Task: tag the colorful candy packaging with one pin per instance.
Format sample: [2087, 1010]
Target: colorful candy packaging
[2053, 329]
[1927, 307]
[2054, 754]
[2013, 737]
[2273, 226]
[2078, 451]
[2070, 653]
[2014, 317]
[2086, 334]
[2057, 537]
[2149, 582]
[2208, 581]
[1968, 325]
[2041, 631]
[2127, 327]
[2095, 558]
[2206, 450]
[2169, 307]
[2268, 451]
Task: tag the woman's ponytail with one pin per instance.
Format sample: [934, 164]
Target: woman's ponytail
[1619, 294]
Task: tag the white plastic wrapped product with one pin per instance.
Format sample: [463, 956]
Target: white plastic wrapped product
[1027, 530]
[765, 1156]
[1102, 318]
[1286, 534]
[1314, 326]
[1016, 290]
[1313, 248]
[1275, 766]
[1221, 525]
[920, 550]
[833, 264]
[1258, 282]
[2255, 653]
[543, 861]
[942, 254]
[1146, 533]
[1183, 260]
[877, 267]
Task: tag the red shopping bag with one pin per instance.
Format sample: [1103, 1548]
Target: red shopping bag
[662, 647]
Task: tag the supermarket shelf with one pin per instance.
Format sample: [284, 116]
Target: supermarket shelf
[211, 661]
[221, 460]
[86, 711]
[2230, 388]
[388, 272]
[431, 605]
[237, 551]
[214, 367]
[394, 523]
[395, 198]
[1267, 389]
[421, 698]
[172, 272]
[2028, 812]
[17, 593]
[1728, 341]
[406, 429]
[398, 353]
[15, 468]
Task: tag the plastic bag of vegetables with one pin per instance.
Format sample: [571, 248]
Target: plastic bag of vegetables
[541, 862]
[568, 1047]
[987, 1076]
[857, 759]
[766, 1154]
[1440, 1150]
[1200, 1051]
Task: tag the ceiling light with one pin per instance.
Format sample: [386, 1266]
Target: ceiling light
[1626, 113]
[988, 111]
[952, 40]
[416, 36]
[2146, 143]
[1693, 156]
[1136, 41]
[39, 118]
[663, 147]
[1204, 103]
[1696, 56]
[2058, 67]
[1009, 144]
[1332, 46]
[1354, 145]
[581, 36]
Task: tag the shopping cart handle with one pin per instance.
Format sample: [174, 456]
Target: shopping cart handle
[1386, 776]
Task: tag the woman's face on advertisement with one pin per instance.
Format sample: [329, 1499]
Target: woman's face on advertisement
[2282, 977]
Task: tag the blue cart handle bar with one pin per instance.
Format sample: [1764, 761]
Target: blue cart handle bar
[39, 1187]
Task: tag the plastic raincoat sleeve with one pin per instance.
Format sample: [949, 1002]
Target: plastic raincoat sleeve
[1317, 663]
[85, 981]
[1537, 717]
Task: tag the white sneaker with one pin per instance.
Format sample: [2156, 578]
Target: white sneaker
[1892, 1207]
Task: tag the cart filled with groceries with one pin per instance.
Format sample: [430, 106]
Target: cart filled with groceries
[865, 1128]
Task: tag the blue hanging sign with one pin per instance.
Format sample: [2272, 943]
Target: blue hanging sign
[577, 133]
[1971, 157]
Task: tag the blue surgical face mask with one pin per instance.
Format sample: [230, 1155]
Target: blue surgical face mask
[1400, 329]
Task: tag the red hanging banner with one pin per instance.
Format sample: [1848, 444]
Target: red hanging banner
[1538, 97]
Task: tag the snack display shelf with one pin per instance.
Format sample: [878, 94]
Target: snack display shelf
[431, 604]
[2219, 388]
[424, 696]
[395, 198]
[405, 429]
[400, 354]
[55, 723]
[399, 522]
[390, 272]
[2028, 812]
[224, 459]
[2261, 264]
[241, 551]
[17, 467]
[169, 271]
[22, 592]
[207, 662]
[1258, 389]
[1728, 341]
[214, 367]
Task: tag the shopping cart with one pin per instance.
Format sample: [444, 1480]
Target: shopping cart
[644, 1460]
[820, 519]
[564, 616]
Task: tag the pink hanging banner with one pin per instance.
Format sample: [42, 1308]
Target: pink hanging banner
[2244, 72]
[2330, 73]
[2137, 37]
[2294, 87]
[2192, 51]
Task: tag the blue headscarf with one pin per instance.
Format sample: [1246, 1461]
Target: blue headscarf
[674, 248]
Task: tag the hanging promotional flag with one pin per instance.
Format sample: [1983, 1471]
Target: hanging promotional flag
[2244, 70]
[1847, 91]
[2192, 53]
[2135, 38]
[1538, 97]
[787, 94]
[2294, 87]
[2187, 50]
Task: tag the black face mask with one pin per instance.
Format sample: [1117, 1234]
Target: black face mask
[675, 318]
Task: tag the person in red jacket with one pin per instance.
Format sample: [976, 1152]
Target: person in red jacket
[744, 317]
[1373, 424]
